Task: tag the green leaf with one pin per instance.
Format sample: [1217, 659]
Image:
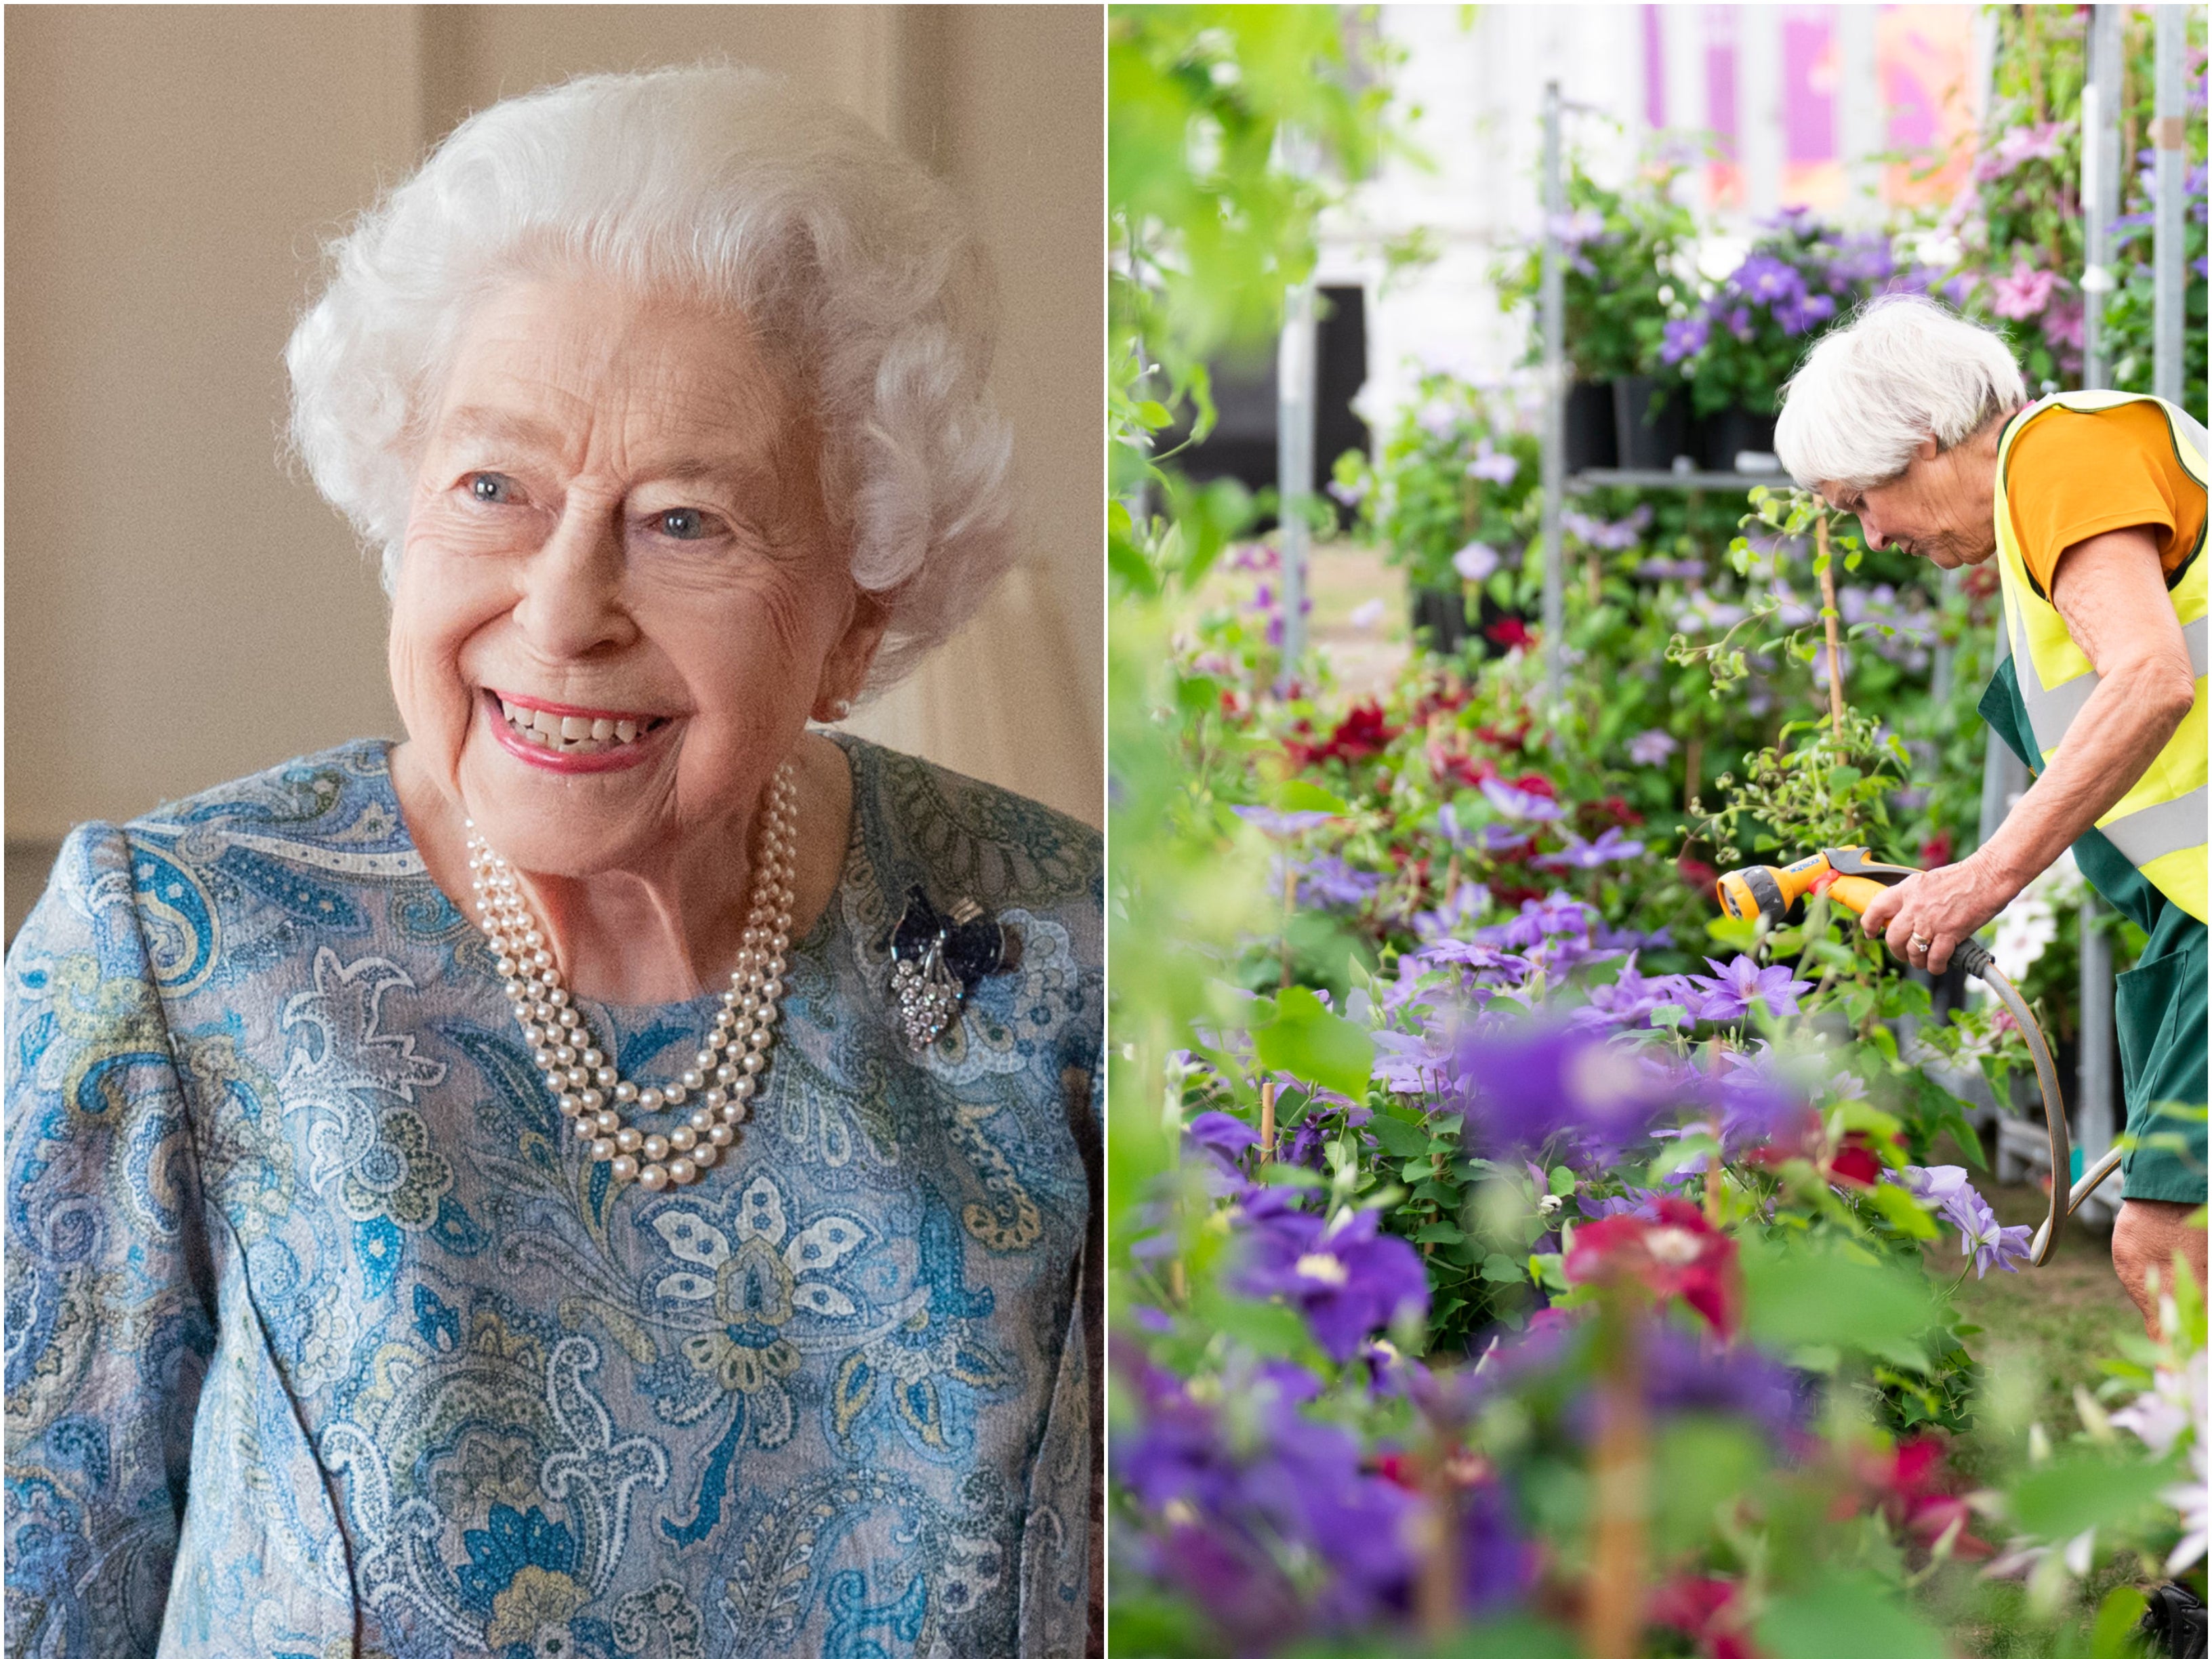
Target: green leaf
[1562, 1181]
[1668, 1014]
[1400, 1140]
[1438, 1232]
[1501, 1269]
[1795, 1298]
[2080, 1491]
[1901, 1210]
[1513, 1639]
[1300, 796]
[1845, 1616]
[1316, 1045]
[1289, 1175]
[1733, 932]
[2113, 1635]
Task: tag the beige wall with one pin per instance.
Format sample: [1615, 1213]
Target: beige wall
[181, 609]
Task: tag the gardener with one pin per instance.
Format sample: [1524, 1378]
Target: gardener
[2093, 503]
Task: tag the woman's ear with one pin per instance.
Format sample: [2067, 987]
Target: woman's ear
[845, 671]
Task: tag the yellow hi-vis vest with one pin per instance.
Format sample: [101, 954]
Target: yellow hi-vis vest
[2159, 825]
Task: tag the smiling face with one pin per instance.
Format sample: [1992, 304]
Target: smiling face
[617, 535]
[1939, 508]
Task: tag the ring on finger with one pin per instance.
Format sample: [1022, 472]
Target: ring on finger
[1918, 942]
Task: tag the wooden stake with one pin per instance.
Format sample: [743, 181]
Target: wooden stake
[1613, 1606]
[1828, 617]
[1268, 1121]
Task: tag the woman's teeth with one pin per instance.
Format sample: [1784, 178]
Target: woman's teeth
[568, 734]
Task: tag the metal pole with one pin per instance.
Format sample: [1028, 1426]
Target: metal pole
[1555, 393]
[2094, 1114]
[1294, 460]
[2101, 187]
[2166, 139]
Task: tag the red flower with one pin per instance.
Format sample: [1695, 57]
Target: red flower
[1510, 632]
[1397, 1469]
[1935, 851]
[1535, 783]
[1907, 1485]
[1513, 897]
[1697, 873]
[1677, 1254]
[1707, 1611]
[1516, 738]
[1856, 1163]
[1467, 771]
[1360, 735]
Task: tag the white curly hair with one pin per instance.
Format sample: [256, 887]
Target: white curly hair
[1906, 369]
[719, 182]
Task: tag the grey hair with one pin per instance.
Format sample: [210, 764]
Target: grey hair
[1906, 369]
[716, 182]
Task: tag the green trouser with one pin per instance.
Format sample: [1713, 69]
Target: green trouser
[2158, 1004]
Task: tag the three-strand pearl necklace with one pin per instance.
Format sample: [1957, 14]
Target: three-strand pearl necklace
[592, 1093]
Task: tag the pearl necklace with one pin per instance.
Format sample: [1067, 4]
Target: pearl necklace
[589, 1088]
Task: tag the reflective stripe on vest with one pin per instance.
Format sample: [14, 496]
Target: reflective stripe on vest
[2159, 825]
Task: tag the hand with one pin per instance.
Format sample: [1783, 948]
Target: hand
[2147, 1236]
[1938, 907]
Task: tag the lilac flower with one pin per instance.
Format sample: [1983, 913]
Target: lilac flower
[1625, 1004]
[1346, 1276]
[1522, 1086]
[1469, 900]
[1764, 280]
[1437, 420]
[1652, 747]
[1288, 1480]
[1937, 1183]
[1636, 1200]
[1862, 258]
[1611, 847]
[1486, 964]
[1521, 802]
[1350, 494]
[1739, 322]
[1684, 1373]
[1282, 825]
[1365, 615]
[1796, 315]
[1492, 465]
[1215, 1142]
[1743, 982]
[1630, 938]
[1979, 1235]
[1684, 336]
[1681, 570]
[1597, 532]
[2020, 145]
[1540, 920]
[1406, 1064]
[1331, 882]
[1475, 562]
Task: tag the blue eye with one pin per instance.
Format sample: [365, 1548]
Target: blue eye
[681, 524]
[494, 488]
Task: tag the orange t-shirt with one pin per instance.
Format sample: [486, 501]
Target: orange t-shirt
[2072, 475]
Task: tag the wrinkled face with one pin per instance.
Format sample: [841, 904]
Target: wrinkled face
[1936, 508]
[618, 600]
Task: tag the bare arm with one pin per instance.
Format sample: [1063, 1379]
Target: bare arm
[2111, 593]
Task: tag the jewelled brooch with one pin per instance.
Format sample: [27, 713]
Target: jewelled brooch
[938, 959]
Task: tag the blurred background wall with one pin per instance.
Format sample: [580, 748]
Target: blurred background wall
[182, 608]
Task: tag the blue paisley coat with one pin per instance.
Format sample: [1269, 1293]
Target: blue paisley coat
[323, 1340]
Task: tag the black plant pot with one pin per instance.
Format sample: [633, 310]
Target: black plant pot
[1590, 436]
[1649, 428]
[1441, 614]
[1727, 433]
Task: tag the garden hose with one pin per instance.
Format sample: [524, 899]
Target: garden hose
[1852, 879]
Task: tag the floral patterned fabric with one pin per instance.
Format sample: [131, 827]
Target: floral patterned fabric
[324, 1339]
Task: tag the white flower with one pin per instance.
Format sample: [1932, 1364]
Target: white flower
[1368, 615]
[1475, 562]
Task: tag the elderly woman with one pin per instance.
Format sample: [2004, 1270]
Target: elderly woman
[2093, 505]
[608, 1174]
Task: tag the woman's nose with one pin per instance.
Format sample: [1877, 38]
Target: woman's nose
[571, 603]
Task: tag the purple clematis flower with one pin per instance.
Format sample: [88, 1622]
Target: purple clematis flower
[1475, 562]
[1743, 982]
[1946, 1186]
[1611, 847]
[1492, 465]
[1328, 882]
[1652, 748]
[1520, 1088]
[1684, 336]
[1346, 1277]
[1282, 825]
[1521, 802]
